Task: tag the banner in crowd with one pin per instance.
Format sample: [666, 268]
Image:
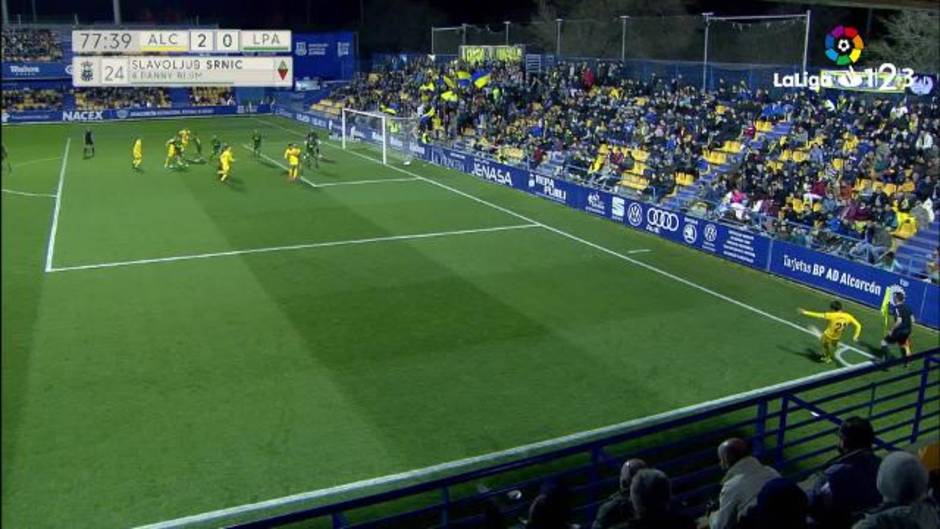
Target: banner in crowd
[26, 71]
[475, 54]
[842, 277]
[36, 116]
[324, 55]
[848, 279]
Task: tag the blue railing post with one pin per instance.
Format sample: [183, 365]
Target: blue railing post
[781, 431]
[445, 509]
[598, 456]
[921, 392]
[339, 521]
[761, 429]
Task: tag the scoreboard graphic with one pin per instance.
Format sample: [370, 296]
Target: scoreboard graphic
[173, 58]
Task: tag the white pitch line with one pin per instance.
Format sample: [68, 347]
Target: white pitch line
[292, 247]
[360, 182]
[26, 194]
[38, 160]
[573, 237]
[472, 461]
[58, 205]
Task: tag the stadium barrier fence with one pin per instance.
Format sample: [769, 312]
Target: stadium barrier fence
[791, 426]
[738, 244]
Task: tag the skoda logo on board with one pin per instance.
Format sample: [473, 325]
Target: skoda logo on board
[690, 233]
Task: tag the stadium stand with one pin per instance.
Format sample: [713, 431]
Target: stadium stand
[31, 44]
[798, 166]
[102, 98]
[211, 96]
[20, 99]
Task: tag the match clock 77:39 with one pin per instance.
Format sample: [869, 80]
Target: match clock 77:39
[96, 41]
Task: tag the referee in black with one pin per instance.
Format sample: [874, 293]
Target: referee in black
[89, 144]
[900, 333]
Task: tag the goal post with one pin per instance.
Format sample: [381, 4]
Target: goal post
[392, 134]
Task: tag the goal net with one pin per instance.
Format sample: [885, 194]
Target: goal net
[395, 136]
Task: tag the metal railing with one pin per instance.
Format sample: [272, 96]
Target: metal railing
[791, 426]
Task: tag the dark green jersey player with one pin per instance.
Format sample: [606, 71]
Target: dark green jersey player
[89, 144]
[216, 147]
[256, 143]
[7, 166]
[312, 149]
[198, 143]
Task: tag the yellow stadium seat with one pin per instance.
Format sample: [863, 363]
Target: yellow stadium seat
[763, 126]
[838, 164]
[906, 228]
[684, 179]
[907, 187]
[800, 155]
[862, 184]
[890, 189]
[797, 205]
[640, 155]
[877, 185]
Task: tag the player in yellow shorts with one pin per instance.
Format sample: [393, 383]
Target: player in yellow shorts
[225, 163]
[170, 152]
[292, 155]
[838, 321]
[138, 153]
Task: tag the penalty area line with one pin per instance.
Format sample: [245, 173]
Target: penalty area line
[26, 194]
[339, 183]
[328, 244]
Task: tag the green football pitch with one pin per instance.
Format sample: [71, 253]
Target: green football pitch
[173, 345]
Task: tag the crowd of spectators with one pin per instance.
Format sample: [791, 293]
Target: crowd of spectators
[104, 98]
[211, 96]
[31, 45]
[21, 99]
[845, 169]
[857, 490]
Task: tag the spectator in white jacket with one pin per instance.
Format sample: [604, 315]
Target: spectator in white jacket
[744, 478]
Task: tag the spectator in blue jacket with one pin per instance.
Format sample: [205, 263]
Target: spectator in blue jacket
[847, 488]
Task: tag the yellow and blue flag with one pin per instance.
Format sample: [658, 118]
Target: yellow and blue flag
[463, 78]
[449, 81]
[481, 78]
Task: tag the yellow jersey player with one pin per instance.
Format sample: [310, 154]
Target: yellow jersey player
[225, 163]
[138, 153]
[184, 137]
[292, 155]
[171, 153]
[838, 321]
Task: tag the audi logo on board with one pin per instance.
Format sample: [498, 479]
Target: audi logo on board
[659, 218]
